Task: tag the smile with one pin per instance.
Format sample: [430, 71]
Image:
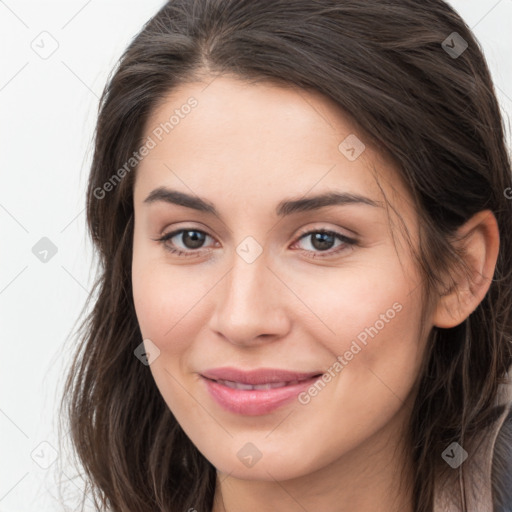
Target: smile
[247, 387]
[257, 392]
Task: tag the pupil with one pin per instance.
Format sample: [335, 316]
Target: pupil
[322, 241]
[196, 240]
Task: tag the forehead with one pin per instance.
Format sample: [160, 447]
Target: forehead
[248, 138]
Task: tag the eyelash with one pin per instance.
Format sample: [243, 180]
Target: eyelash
[347, 242]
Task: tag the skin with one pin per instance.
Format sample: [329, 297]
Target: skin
[245, 148]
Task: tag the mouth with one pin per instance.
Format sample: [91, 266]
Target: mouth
[249, 387]
[259, 376]
[255, 392]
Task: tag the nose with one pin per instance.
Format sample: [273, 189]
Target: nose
[250, 304]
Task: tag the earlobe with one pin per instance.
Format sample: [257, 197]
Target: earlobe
[479, 239]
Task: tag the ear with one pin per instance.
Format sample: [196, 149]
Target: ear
[480, 239]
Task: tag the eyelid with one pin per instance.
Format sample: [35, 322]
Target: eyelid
[319, 229]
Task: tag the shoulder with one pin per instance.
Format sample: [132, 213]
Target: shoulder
[502, 467]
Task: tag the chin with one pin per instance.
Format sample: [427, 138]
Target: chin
[270, 467]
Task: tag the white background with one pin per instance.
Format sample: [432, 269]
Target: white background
[48, 111]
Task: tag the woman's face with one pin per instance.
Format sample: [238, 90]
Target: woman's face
[258, 286]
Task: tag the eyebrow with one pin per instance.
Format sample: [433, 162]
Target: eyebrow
[284, 208]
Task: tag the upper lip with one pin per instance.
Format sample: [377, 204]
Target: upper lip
[257, 376]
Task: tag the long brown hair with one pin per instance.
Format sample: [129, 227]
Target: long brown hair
[435, 113]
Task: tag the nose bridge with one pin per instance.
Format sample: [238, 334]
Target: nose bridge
[247, 281]
[249, 306]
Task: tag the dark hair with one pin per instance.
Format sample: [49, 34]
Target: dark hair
[435, 115]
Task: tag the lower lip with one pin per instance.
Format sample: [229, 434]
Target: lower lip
[255, 402]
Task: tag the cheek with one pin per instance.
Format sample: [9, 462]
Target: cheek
[375, 360]
[358, 297]
[156, 308]
[370, 326]
[148, 300]
[164, 306]
[382, 374]
[169, 303]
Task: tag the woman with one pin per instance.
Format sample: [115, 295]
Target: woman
[304, 303]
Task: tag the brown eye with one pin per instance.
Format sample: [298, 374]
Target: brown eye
[321, 241]
[191, 241]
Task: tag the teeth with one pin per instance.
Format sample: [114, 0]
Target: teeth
[248, 387]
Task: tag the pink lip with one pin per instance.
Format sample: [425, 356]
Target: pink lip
[256, 402]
